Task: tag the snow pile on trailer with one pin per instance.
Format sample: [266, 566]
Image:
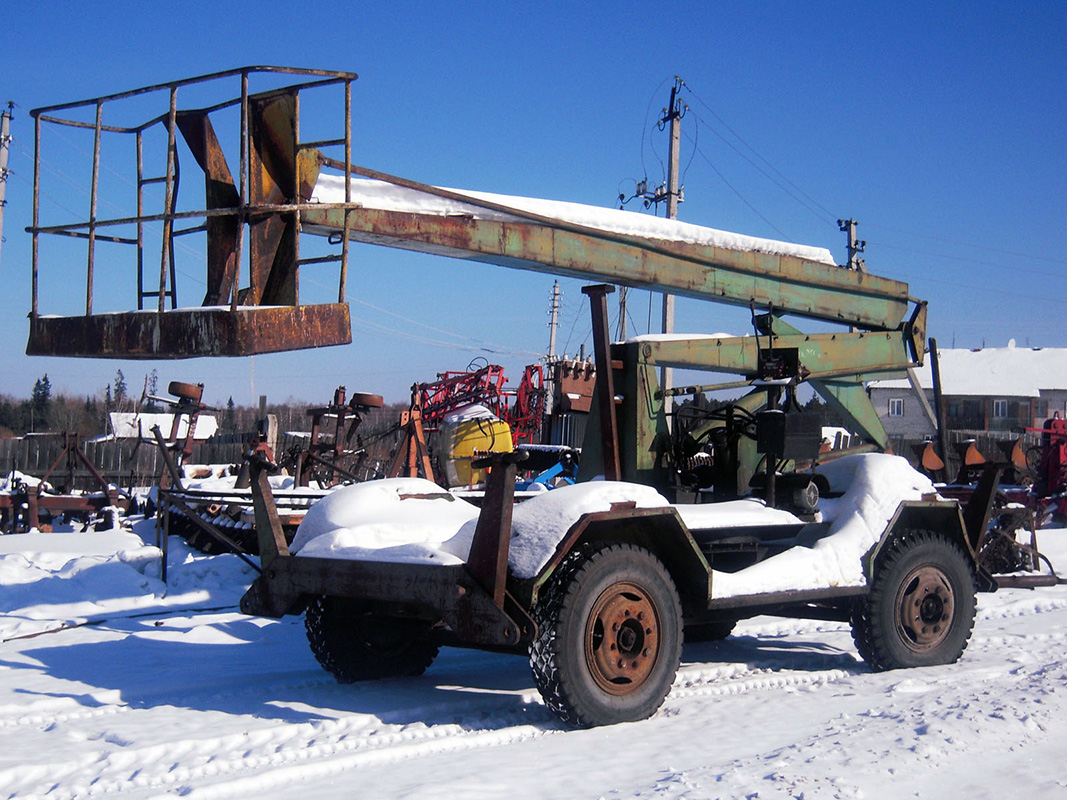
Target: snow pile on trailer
[384, 196]
[873, 485]
[539, 524]
[395, 519]
[414, 520]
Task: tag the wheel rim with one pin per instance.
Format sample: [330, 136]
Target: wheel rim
[622, 639]
[925, 605]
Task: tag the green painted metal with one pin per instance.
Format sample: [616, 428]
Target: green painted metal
[847, 395]
[850, 357]
[860, 351]
[739, 277]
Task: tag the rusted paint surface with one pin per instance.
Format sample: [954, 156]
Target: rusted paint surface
[604, 393]
[272, 174]
[488, 559]
[220, 192]
[191, 333]
[739, 277]
[276, 171]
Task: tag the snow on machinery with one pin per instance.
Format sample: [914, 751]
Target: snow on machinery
[596, 582]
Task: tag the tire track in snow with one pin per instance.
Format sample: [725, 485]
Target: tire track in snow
[284, 752]
[243, 756]
[251, 761]
[52, 711]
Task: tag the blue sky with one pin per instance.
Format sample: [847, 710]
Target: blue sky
[939, 126]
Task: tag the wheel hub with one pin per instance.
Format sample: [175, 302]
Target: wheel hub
[925, 605]
[622, 639]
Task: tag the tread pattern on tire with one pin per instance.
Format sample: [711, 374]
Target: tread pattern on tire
[543, 650]
[335, 640]
[715, 631]
[871, 637]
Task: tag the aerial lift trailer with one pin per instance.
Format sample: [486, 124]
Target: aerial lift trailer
[603, 618]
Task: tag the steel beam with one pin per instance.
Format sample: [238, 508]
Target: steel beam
[739, 277]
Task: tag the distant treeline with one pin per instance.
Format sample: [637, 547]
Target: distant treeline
[87, 416]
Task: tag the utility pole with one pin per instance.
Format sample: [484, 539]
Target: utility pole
[673, 118]
[5, 144]
[553, 322]
[855, 246]
[672, 192]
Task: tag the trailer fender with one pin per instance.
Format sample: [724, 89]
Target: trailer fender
[944, 518]
[658, 530]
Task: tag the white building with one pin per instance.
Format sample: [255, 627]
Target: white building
[989, 389]
[128, 425]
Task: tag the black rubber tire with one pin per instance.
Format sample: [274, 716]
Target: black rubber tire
[921, 606]
[355, 644]
[574, 658]
[714, 631]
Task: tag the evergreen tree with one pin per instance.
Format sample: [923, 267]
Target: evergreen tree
[42, 394]
[151, 383]
[40, 402]
[120, 387]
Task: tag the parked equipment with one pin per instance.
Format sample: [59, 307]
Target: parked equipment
[602, 612]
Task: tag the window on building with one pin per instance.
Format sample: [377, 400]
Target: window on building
[1040, 410]
[896, 406]
[1000, 409]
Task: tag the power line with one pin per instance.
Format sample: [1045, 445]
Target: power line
[645, 127]
[829, 217]
[959, 243]
[967, 260]
[740, 196]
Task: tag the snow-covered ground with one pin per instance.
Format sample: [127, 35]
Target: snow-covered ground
[112, 684]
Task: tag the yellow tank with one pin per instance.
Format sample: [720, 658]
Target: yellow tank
[465, 434]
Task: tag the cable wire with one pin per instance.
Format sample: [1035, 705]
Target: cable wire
[829, 217]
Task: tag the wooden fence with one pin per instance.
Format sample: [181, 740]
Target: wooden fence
[129, 463]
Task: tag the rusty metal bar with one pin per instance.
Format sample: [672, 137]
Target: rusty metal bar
[92, 210]
[678, 391]
[70, 123]
[96, 238]
[168, 458]
[939, 406]
[204, 212]
[36, 212]
[140, 222]
[186, 231]
[320, 144]
[242, 198]
[331, 77]
[190, 513]
[168, 202]
[488, 559]
[343, 280]
[320, 260]
[161, 119]
[269, 531]
[605, 380]
[1027, 581]
[297, 171]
